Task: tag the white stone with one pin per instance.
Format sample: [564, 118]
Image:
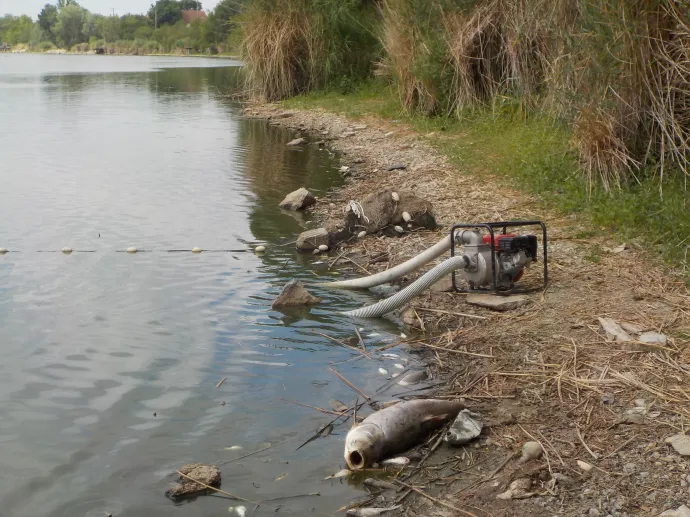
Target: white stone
[395, 196]
[399, 229]
[584, 465]
[653, 338]
[683, 511]
[406, 217]
[361, 234]
[383, 371]
[260, 249]
[531, 451]
[681, 443]
[323, 247]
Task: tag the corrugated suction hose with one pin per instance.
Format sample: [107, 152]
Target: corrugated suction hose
[414, 289]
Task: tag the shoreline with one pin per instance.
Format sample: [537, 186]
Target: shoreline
[63, 52]
[538, 372]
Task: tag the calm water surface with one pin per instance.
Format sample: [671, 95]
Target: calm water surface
[110, 360]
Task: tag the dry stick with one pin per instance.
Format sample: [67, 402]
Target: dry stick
[352, 386]
[343, 414]
[464, 315]
[361, 341]
[546, 453]
[322, 410]
[437, 501]
[355, 263]
[593, 454]
[345, 345]
[221, 382]
[452, 351]
[257, 452]
[236, 498]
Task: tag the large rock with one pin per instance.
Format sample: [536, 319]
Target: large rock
[497, 303]
[683, 511]
[379, 210]
[206, 474]
[298, 200]
[294, 294]
[312, 239]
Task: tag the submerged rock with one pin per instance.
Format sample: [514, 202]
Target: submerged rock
[294, 294]
[312, 239]
[206, 474]
[298, 200]
[464, 429]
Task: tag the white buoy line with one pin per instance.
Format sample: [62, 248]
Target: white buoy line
[132, 250]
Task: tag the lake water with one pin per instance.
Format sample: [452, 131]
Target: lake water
[111, 361]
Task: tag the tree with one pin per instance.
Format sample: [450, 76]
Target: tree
[130, 23]
[70, 22]
[64, 3]
[189, 5]
[109, 28]
[16, 29]
[165, 12]
[92, 25]
[47, 19]
[223, 20]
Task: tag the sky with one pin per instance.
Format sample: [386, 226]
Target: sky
[33, 7]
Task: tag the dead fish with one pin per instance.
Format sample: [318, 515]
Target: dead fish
[413, 378]
[396, 429]
[239, 510]
[380, 484]
[396, 462]
[337, 405]
[339, 474]
[399, 366]
[390, 356]
[393, 376]
[370, 512]
[390, 403]
[383, 371]
[234, 448]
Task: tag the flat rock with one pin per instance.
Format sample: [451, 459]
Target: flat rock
[312, 239]
[681, 443]
[294, 294]
[397, 167]
[498, 303]
[410, 319]
[297, 141]
[298, 200]
[683, 511]
[464, 429]
[614, 331]
[206, 474]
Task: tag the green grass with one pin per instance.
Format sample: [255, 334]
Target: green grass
[532, 153]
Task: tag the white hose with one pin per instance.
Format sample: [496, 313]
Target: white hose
[396, 272]
[414, 289]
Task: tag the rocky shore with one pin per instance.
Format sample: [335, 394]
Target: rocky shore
[606, 409]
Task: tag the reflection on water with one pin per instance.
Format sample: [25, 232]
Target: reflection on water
[111, 360]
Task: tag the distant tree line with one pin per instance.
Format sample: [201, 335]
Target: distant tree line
[66, 24]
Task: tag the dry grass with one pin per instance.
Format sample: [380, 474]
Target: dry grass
[279, 52]
[403, 47]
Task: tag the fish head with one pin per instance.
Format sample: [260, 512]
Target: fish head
[363, 446]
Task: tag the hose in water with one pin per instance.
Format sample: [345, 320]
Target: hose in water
[396, 272]
[414, 289]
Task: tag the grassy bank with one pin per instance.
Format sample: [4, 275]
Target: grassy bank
[535, 154]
